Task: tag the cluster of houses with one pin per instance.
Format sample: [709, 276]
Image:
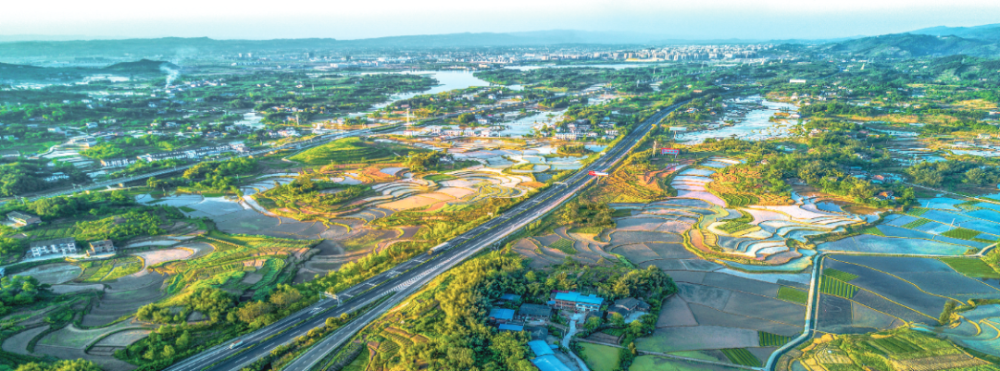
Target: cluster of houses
[59, 246]
[67, 246]
[629, 308]
[531, 317]
[190, 154]
[582, 129]
[880, 178]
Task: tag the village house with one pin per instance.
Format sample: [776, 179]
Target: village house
[23, 219]
[59, 246]
[509, 327]
[150, 157]
[117, 162]
[545, 359]
[629, 308]
[885, 196]
[566, 136]
[576, 301]
[101, 247]
[533, 312]
[55, 177]
[288, 132]
[501, 315]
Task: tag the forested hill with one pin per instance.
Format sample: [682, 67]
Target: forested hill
[989, 32]
[141, 66]
[913, 45]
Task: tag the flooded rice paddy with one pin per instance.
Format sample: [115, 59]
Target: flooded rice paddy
[752, 123]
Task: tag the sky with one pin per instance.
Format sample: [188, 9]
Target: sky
[352, 19]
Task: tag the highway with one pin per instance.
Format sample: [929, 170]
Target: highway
[405, 278]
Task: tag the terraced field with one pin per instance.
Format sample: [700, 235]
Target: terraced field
[868, 293]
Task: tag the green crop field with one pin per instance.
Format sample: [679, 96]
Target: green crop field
[768, 339]
[738, 224]
[110, 269]
[971, 267]
[739, 200]
[792, 295]
[350, 151]
[600, 357]
[123, 269]
[564, 245]
[833, 286]
[964, 234]
[440, 177]
[916, 223]
[916, 211]
[587, 230]
[873, 231]
[741, 356]
[840, 275]
[614, 331]
[359, 364]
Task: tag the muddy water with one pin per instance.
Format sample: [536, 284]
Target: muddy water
[234, 217]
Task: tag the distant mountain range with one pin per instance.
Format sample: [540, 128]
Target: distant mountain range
[910, 45]
[176, 48]
[979, 41]
[985, 32]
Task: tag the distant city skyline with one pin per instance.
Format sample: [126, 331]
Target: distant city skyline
[706, 19]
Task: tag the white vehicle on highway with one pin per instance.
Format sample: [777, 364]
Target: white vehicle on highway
[236, 344]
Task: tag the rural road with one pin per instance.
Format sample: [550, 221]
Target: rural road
[296, 145]
[406, 278]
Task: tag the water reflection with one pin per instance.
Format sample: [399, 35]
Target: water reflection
[754, 125]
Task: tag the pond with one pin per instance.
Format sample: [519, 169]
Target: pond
[521, 126]
[829, 206]
[754, 125]
[231, 216]
[447, 81]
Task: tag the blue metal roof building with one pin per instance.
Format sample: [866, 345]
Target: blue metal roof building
[540, 347]
[549, 363]
[509, 327]
[510, 297]
[545, 358]
[500, 314]
[576, 301]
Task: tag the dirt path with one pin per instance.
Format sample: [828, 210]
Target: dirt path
[569, 337]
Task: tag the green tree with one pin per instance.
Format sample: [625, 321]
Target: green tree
[254, 311]
[183, 341]
[592, 323]
[168, 351]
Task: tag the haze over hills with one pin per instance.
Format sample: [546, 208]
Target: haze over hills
[557, 36]
[941, 40]
[984, 32]
[910, 45]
